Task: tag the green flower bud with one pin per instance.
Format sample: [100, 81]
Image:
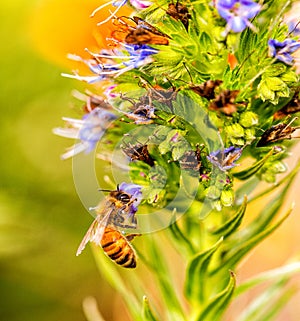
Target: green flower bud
[275, 83]
[201, 192]
[213, 193]
[249, 135]
[276, 70]
[277, 167]
[235, 130]
[269, 178]
[265, 92]
[248, 119]
[289, 77]
[237, 141]
[227, 197]
[221, 181]
[217, 205]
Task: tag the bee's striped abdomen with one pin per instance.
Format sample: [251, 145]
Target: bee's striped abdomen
[118, 249]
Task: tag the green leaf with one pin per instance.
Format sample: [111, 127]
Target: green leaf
[289, 178]
[286, 271]
[275, 308]
[235, 253]
[110, 272]
[179, 236]
[232, 224]
[265, 216]
[268, 304]
[196, 273]
[253, 169]
[158, 265]
[147, 312]
[90, 309]
[246, 189]
[216, 307]
[276, 69]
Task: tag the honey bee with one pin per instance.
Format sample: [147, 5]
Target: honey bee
[118, 211]
[136, 31]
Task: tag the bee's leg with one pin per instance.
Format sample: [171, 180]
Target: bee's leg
[130, 202]
[130, 237]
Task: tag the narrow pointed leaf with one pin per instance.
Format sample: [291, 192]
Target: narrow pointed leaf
[273, 275]
[278, 305]
[216, 307]
[196, 271]
[90, 310]
[147, 312]
[232, 224]
[238, 252]
[112, 275]
[265, 305]
[288, 178]
[180, 238]
[253, 169]
[264, 218]
[246, 189]
[164, 280]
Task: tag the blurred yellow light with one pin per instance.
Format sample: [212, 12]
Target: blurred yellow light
[59, 27]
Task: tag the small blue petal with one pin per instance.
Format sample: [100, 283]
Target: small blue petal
[282, 50]
[237, 24]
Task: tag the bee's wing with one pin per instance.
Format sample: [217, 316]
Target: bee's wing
[95, 232]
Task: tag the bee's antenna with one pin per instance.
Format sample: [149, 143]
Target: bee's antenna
[105, 190]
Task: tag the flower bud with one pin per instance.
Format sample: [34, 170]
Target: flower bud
[237, 141]
[217, 205]
[213, 193]
[249, 135]
[235, 130]
[227, 197]
[248, 119]
[277, 167]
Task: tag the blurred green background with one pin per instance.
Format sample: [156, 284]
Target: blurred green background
[42, 220]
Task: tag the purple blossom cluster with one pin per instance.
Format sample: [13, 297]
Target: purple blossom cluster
[237, 13]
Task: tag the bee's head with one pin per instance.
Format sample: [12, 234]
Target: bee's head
[123, 197]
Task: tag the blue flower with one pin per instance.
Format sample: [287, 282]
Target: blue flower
[136, 195]
[282, 50]
[89, 130]
[237, 13]
[107, 63]
[224, 159]
[139, 55]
